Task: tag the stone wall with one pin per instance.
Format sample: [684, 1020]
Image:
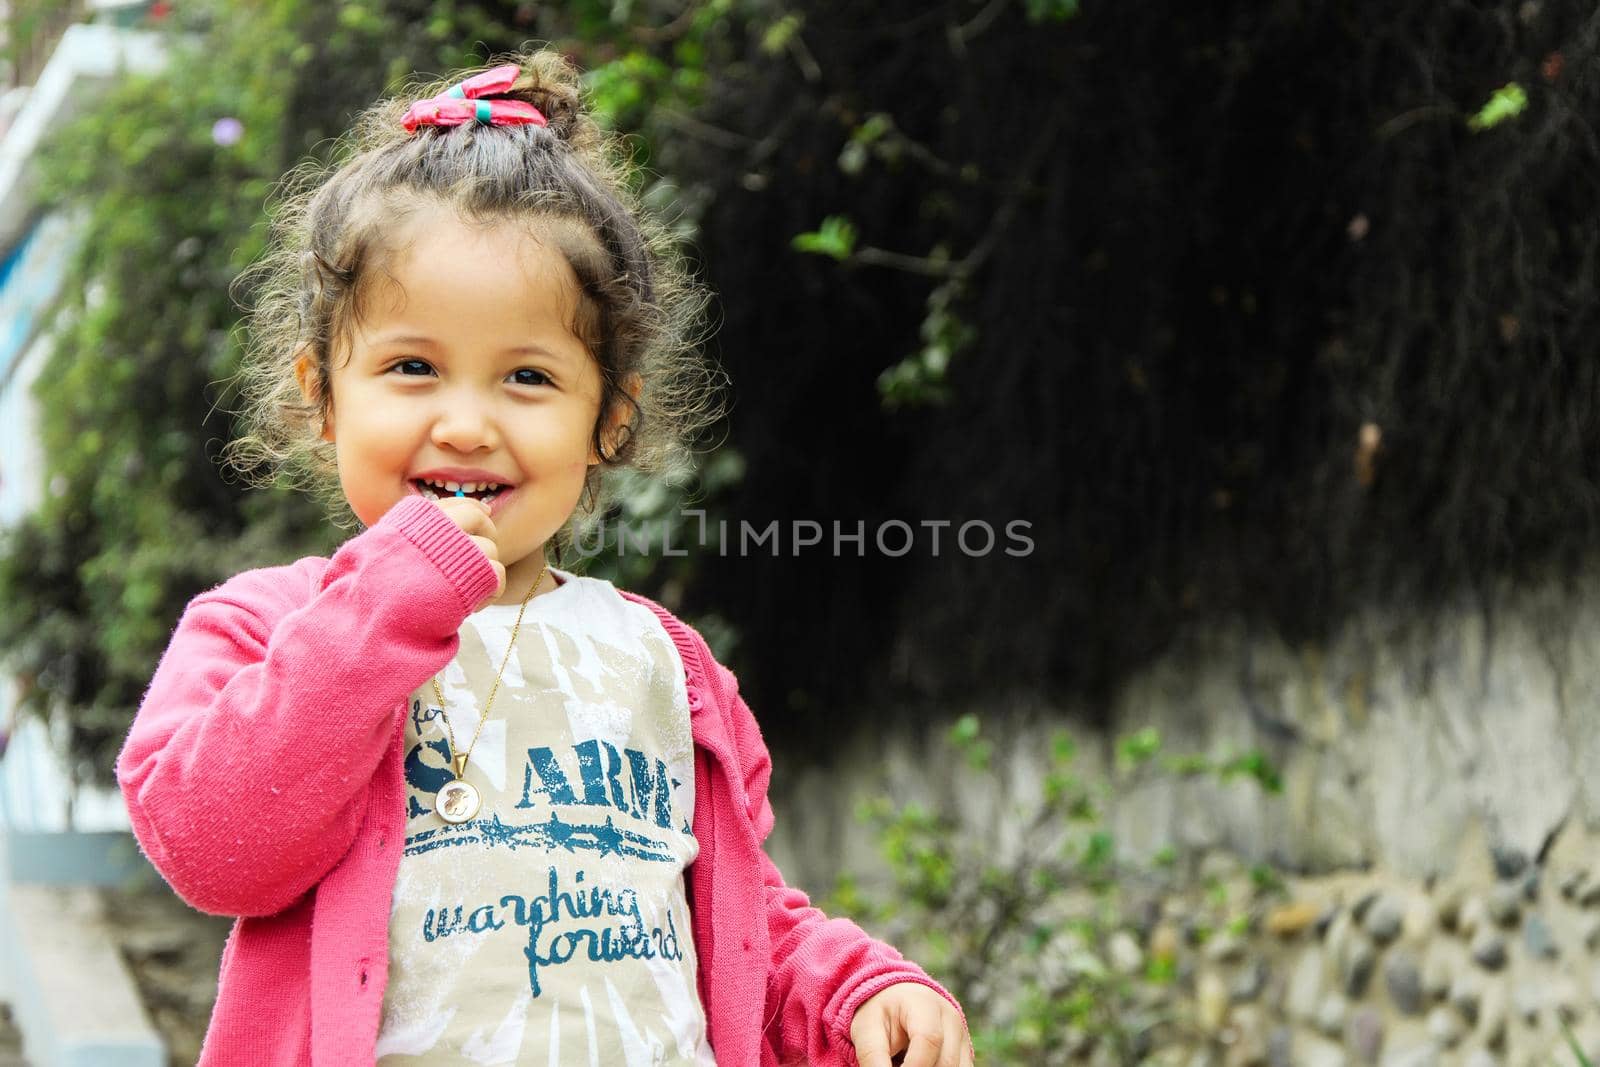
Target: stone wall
[1403, 745]
[1439, 827]
[1364, 969]
[1499, 968]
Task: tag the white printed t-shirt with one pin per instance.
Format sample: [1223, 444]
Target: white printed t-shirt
[552, 928]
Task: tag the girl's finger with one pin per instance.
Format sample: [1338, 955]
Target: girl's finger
[926, 1037]
[954, 1041]
[923, 1051]
[873, 1048]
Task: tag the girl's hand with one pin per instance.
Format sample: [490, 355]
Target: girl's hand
[472, 516]
[911, 1018]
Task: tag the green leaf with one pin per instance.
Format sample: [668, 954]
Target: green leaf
[1506, 102]
[1098, 852]
[1253, 764]
[1056, 785]
[919, 379]
[1082, 809]
[872, 129]
[777, 35]
[1139, 747]
[1265, 879]
[836, 237]
[1187, 764]
[965, 730]
[1161, 970]
[1063, 748]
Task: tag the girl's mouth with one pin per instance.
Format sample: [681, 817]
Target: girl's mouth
[437, 490]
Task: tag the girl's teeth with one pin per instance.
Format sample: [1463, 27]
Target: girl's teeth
[434, 488]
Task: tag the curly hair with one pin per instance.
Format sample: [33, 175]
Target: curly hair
[639, 310]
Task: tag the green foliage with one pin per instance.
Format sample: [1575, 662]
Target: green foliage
[621, 87]
[1140, 747]
[1145, 745]
[854, 155]
[836, 237]
[1267, 881]
[780, 32]
[30, 24]
[1252, 764]
[963, 737]
[919, 379]
[1046, 916]
[132, 400]
[138, 518]
[1505, 103]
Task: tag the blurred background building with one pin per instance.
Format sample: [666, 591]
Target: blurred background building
[55, 829]
[72, 56]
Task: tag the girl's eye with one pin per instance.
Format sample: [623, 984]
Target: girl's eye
[416, 368]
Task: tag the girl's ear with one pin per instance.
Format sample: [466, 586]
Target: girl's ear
[616, 430]
[305, 373]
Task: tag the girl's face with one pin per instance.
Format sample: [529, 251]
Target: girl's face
[463, 368]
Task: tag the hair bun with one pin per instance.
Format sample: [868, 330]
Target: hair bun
[559, 107]
[550, 83]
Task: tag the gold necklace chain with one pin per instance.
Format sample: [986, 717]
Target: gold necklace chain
[458, 759]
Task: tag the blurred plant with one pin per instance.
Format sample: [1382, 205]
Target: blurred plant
[1572, 1043]
[164, 179]
[1054, 902]
[836, 237]
[1506, 102]
[31, 29]
[919, 379]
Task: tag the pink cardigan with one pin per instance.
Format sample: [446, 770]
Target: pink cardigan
[263, 776]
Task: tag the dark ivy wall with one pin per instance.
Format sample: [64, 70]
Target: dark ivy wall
[1264, 324]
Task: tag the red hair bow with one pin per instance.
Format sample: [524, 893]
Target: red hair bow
[462, 103]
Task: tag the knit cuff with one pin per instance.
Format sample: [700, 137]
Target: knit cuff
[447, 546]
[871, 988]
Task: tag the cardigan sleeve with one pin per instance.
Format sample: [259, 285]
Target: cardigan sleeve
[822, 969]
[246, 770]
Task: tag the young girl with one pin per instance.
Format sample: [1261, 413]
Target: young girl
[469, 807]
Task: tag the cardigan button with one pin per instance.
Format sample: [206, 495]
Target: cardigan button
[696, 702]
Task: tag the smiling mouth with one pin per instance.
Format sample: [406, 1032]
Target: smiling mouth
[435, 490]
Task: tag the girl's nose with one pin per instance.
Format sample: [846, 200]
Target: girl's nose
[465, 426]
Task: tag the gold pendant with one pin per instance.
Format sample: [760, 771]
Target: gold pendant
[457, 801]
